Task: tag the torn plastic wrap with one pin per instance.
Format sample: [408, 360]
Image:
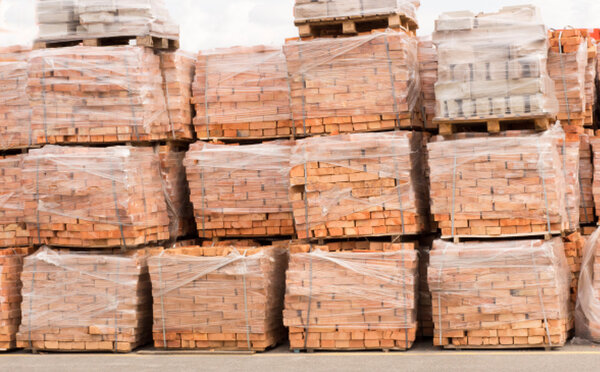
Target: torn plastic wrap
[11, 265]
[242, 92]
[13, 232]
[99, 95]
[94, 197]
[85, 302]
[240, 191]
[63, 20]
[512, 184]
[428, 71]
[493, 65]
[352, 299]
[360, 185]
[222, 298]
[15, 115]
[503, 294]
[358, 84]
[587, 312]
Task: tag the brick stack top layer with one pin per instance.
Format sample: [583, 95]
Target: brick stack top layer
[493, 64]
[13, 232]
[86, 19]
[587, 312]
[86, 94]
[428, 71]
[307, 10]
[494, 284]
[116, 190]
[358, 77]
[15, 123]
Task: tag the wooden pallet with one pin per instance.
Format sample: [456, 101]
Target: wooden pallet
[149, 41]
[502, 347]
[462, 238]
[353, 25]
[493, 124]
[385, 350]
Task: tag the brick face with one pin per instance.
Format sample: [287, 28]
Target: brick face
[13, 231]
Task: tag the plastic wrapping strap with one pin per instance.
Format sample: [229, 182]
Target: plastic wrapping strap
[392, 80]
[144, 196]
[206, 116]
[203, 196]
[453, 195]
[168, 200]
[441, 330]
[45, 110]
[543, 176]
[564, 159]
[37, 198]
[404, 294]
[310, 257]
[116, 306]
[303, 86]
[130, 96]
[537, 273]
[166, 94]
[246, 302]
[401, 207]
[289, 86]
[116, 200]
[564, 78]
[162, 300]
[31, 302]
[582, 203]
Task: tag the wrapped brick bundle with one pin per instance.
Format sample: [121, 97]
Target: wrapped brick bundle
[360, 185]
[13, 231]
[587, 312]
[317, 10]
[569, 149]
[352, 299]
[242, 92]
[428, 70]
[85, 302]
[574, 243]
[595, 142]
[240, 191]
[178, 73]
[358, 84]
[500, 294]
[590, 83]
[99, 95]
[63, 20]
[15, 123]
[11, 265]
[94, 197]
[493, 65]
[218, 298]
[586, 176]
[500, 185]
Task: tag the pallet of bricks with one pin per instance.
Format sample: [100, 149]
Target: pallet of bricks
[587, 312]
[428, 74]
[225, 296]
[492, 70]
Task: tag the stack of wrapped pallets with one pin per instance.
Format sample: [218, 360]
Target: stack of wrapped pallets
[500, 294]
[428, 71]
[223, 297]
[85, 302]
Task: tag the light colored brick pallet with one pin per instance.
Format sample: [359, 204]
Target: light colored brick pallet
[493, 124]
[149, 41]
[352, 25]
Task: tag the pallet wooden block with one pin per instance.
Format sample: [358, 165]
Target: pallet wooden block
[360, 84]
[365, 184]
[95, 197]
[218, 298]
[85, 95]
[352, 299]
[85, 302]
[492, 186]
[500, 294]
[240, 191]
[493, 65]
[13, 231]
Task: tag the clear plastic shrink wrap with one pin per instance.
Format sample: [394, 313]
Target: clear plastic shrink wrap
[586, 177]
[85, 302]
[512, 184]
[504, 294]
[360, 185]
[240, 191]
[357, 84]
[99, 95]
[315, 10]
[178, 73]
[63, 20]
[352, 298]
[428, 71]
[587, 312]
[590, 83]
[13, 231]
[95, 197]
[222, 298]
[242, 92]
[595, 142]
[493, 65]
[11, 265]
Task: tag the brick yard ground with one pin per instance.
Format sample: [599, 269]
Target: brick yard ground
[422, 357]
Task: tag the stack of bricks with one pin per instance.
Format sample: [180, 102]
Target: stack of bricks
[590, 83]
[85, 302]
[11, 265]
[15, 130]
[218, 298]
[500, 294]
[99, 95]
[493, 65]
[242, 92]
[489, 186]
[567, 62]
[94, 197]
[569, 149]
[428, 70]
[240, 191]
[587, 313]
[358, 185]
[595, 142]
[359, 84]
[352, 296]
[13, 231]
[586, 176]
[574, 244]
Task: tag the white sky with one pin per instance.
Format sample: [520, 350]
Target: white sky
[207, 24]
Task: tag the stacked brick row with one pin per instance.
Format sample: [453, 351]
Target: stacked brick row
[221, 298]
[178, 73]
[428, 71]
[493, 65]
[574, 244]
[352, 296]
[13, 230]
[591, 73]
[500, 294]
